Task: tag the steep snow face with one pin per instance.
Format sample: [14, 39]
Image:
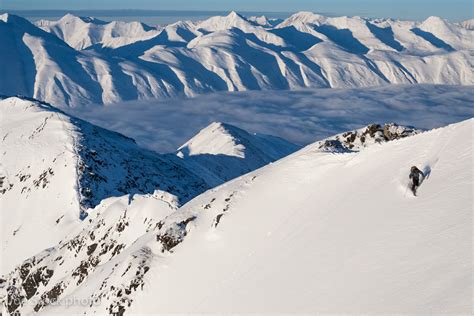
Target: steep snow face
[128, 61]
[340, 227]
[54, 167]
[37, 63]
[215, 139]
[38, 179]
[445, 35]
[84, 32]
[228, 151]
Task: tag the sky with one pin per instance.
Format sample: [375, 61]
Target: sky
[454, 10]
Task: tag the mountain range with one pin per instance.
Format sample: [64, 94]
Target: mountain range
[79, 60]
[233, 221]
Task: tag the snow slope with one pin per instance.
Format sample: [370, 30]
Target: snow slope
[330, 233]
[114, 225]
[315, 232]
[54, 166]
[37, 63]
[228, 151]
[128, 61]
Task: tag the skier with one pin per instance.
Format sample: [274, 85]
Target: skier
[415, 174]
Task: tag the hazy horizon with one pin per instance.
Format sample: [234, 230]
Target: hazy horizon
[171, 16]
[145, 16]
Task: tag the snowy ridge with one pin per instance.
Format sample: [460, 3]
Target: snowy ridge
[347, 250]
[363, 137]
[54, 167]
[264, 21]
[114, 225]
[128, 61]
[228, 151]
[84, 32]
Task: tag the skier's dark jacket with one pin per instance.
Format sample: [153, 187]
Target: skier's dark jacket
[415, 175]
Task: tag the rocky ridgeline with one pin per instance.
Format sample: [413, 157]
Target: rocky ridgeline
[111, 164]
[114, 226]
[106, 163]
[120, 239]
[357, 140]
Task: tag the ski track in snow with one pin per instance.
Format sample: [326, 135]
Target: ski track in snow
[333, 216]
[330, 227]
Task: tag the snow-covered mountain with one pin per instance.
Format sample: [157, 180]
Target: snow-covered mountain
[339, 229]
[264, 21]
[128, 61]
[228, 151]
[54, 167]
[84, 32]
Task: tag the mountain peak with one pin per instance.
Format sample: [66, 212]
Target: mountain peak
[4, 17]
[307, 17]
[215, 139]
[100, 154]
[228, 151]
[260, 20]
[435, 19]
[235, 15]
[232, 20]
[434, 23]
[216, 59]
[68, 17]
[13, 19]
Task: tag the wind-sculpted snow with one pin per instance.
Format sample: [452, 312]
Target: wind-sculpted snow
[336, 226]
[118, 61]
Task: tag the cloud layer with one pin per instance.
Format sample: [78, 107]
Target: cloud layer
[302, 116]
